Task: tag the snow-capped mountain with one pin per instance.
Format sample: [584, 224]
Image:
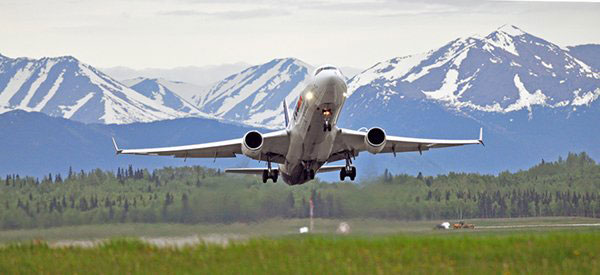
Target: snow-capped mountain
[534, 100]
[157, 91]
[65, 87]
[505, 71]
[255, 95]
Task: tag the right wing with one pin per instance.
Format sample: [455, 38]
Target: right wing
[353, 141]
[275, 144]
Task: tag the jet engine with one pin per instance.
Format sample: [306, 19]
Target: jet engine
[252, 143]
[375, 140]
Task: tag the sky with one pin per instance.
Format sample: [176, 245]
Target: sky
[171, 33]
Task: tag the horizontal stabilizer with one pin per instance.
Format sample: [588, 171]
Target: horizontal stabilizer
[333, 168]
[247, 171]
[259, 171]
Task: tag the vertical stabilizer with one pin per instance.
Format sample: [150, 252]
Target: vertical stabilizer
[286, 115]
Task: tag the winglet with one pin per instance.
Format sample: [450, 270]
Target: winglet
[285, 113]
[481, 136]
[117, 150]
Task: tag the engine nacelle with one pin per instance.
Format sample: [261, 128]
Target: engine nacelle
[252, 143]
[375, 140]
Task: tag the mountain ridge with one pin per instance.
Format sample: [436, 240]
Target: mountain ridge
[66, 87]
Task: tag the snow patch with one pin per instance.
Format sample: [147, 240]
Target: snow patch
[69, 111]
[50, 93]
[446, 92]
[586, 98]
[526, 99]
[15, 83]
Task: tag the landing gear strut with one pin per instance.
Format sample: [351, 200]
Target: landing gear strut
[349, 170]
[269, 173]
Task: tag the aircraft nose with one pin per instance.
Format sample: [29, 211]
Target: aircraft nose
[327, 79]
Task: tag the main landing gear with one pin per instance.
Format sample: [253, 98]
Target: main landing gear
[269, 173]
[349, 170]
[274, 174]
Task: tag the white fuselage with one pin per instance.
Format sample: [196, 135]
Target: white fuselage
[311, 145]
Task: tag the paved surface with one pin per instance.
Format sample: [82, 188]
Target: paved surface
[538, 225]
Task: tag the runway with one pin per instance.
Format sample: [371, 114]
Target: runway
[538, 225]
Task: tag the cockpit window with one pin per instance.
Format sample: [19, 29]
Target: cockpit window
[324, 68]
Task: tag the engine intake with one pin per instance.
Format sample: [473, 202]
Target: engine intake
[375, 140]
[252, 143]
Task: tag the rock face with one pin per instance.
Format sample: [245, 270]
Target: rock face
[65, 87]
[255, 95]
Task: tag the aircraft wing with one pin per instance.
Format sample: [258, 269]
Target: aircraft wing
[354, 141]
[275, 143]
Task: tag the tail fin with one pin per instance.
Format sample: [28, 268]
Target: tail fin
[285, 113]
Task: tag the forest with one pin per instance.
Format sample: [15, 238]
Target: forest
[190, 195]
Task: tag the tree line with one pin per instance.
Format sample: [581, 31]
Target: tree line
[566, 187]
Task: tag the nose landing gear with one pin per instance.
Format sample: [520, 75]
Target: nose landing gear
[327, 116]
[327, 126]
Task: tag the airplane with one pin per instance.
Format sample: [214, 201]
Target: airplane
[309, 141]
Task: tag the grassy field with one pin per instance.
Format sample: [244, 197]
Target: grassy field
[550, 252]
[374, 246]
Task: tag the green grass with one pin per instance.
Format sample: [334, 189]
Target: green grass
[549, 252]
[274, 246]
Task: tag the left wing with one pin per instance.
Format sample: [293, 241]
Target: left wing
[354, 142]
[274, 143]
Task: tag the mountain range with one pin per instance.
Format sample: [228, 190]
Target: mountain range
[65, 87]
[533, 98]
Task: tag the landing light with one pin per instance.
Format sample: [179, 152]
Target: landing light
[309, 95]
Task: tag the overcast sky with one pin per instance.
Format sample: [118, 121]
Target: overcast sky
[170, 33]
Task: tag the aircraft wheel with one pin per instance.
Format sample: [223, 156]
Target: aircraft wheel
[265, 176]
[342, 174]
[311, 174]
[353, 173]
[275, 176]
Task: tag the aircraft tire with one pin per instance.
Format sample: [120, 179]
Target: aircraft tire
[342, 174]
[353, 173]
[265, 176]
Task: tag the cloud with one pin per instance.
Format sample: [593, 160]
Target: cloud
[230, 14]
